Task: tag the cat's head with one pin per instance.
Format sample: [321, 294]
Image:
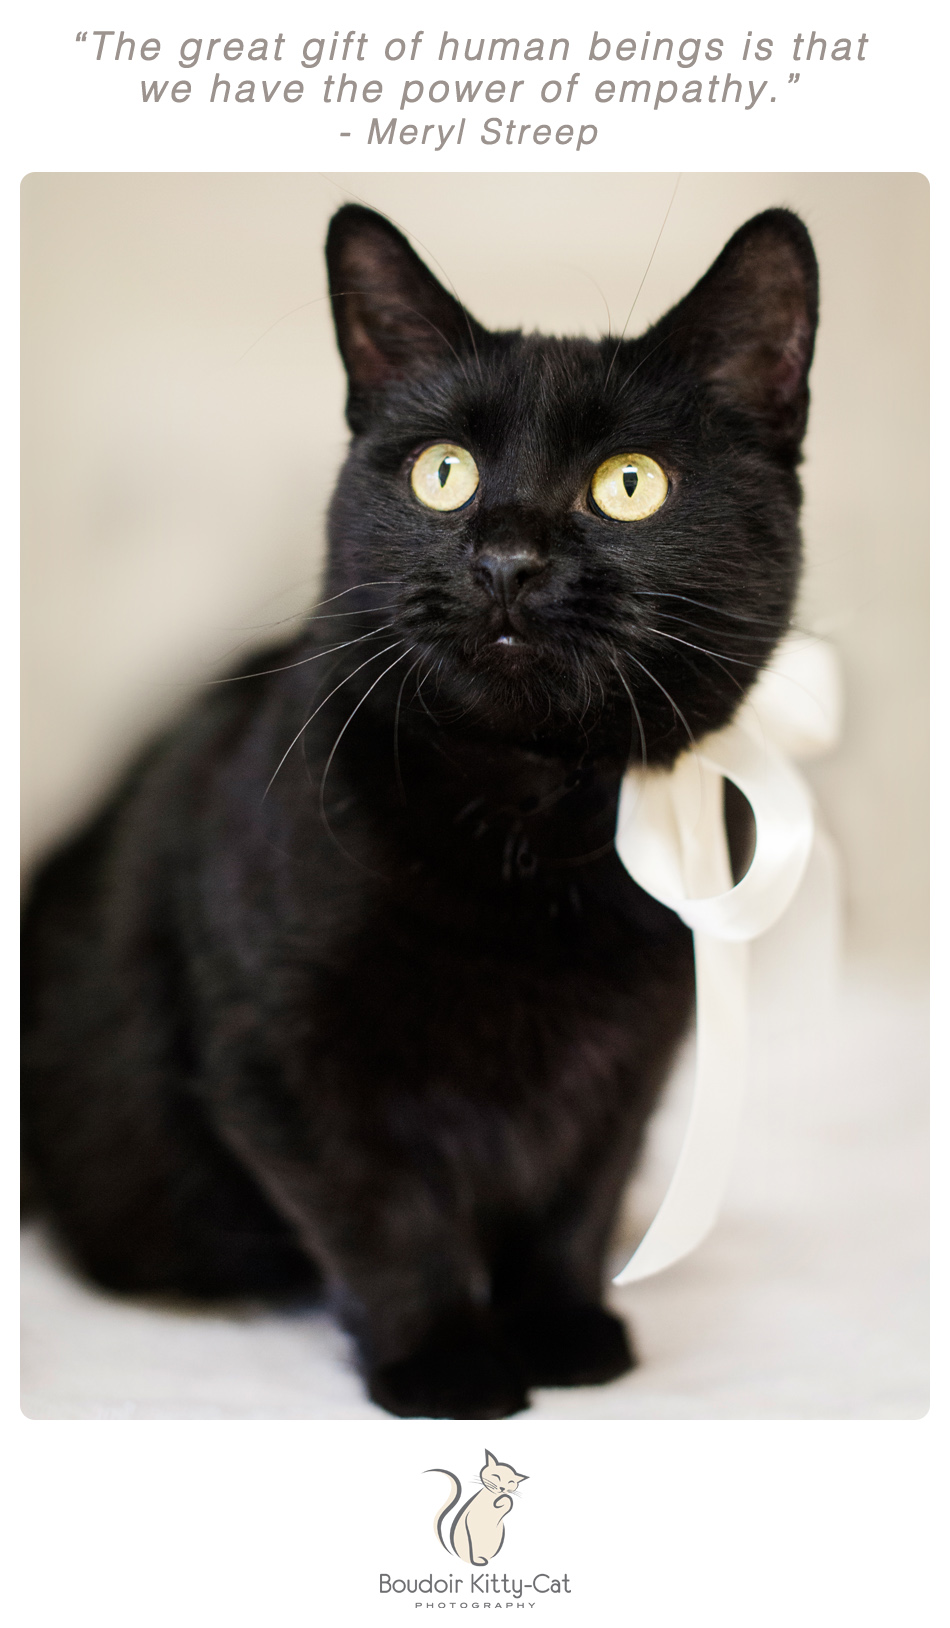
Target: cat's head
[497, 1477]
[579, 543]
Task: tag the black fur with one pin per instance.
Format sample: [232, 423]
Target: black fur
[392, 1019]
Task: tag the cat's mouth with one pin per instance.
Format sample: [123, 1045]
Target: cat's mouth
[519, 676]
[508, 641]
[506, 632]
[506, 650]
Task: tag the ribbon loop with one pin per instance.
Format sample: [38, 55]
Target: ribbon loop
[658, 825]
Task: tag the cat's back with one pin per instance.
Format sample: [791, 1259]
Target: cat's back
[101, 908]
[174, 769]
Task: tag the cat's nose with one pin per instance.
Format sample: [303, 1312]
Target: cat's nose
[505, 573]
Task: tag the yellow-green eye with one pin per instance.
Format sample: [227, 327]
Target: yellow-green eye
[629, 487]
[444, 476]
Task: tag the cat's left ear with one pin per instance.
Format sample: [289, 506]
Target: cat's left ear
[748, 327]
[491, 1461]
[393, 317]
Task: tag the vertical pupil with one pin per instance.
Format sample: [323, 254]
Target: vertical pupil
[629, 481]
[445, 469]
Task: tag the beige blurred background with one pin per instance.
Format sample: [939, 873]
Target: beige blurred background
[183, 422]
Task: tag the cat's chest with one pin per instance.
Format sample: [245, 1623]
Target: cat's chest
[522, 1048]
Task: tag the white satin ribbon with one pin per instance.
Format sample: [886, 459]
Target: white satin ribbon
[671, 837]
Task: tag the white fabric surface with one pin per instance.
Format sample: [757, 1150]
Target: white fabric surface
[809, 1300]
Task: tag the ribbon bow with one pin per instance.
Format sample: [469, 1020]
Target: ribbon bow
[671, 837]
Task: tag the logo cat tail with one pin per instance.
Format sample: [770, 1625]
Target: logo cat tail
[446, 1508]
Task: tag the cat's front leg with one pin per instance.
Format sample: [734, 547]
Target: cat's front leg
[549, 1278]
[558, 1328]
[561, 1344]
[403, 1268]
[462, 1368]
[429, 1348]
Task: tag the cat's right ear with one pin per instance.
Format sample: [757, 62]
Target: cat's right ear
[393, 317]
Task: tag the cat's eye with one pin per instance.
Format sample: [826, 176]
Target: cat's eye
[629, 486]
[444, 476]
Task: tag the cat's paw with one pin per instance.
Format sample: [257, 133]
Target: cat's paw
[572, 1345]
[462, 1379]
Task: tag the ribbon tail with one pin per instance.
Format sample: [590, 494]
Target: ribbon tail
[691, 1204]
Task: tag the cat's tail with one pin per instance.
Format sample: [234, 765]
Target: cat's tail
[446, 1508]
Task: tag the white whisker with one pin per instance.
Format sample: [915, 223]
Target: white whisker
[365, 696]
[677, 710]
[266, 672]
[345, 680]
[644, 277]
[636, 714]
[399, 781]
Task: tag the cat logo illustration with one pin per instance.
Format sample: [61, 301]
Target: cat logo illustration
[478, 1530]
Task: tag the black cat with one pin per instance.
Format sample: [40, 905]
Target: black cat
[347, 986]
